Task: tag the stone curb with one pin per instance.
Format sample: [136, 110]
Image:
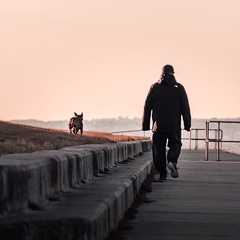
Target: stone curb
[88, 211]
[34, 178]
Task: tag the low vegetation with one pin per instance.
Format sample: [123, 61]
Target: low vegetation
[17, 138]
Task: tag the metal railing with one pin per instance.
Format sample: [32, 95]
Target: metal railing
[192, 137]
[126, 131]
[219, 139]
[216, 137]
[196, 137]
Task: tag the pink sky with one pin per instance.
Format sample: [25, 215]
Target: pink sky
[101, 57]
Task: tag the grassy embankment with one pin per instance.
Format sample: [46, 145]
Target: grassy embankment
[16, 138]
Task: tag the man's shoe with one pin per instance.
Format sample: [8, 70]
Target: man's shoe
[172, 167]
[163, 178]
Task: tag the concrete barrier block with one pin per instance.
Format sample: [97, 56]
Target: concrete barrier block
[85, 167]
[37, 182]
[122, 152]
[138, 148]
[29, 180]
[110, 152]
[14, 194]
[100, 161]
[133, 149]
[146, 145]
[25, 180]
[84, 162]
[130, 150]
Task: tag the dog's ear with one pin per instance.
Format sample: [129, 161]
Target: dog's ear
[75, 114]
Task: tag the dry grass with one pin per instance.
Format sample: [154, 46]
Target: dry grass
[16, 138]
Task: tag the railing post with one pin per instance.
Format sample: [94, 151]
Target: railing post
[196, 141]
[221, 136]
[218, 142]
[215, 137]
[206, 140]
[190, 140]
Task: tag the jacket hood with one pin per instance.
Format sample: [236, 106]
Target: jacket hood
[167, 79]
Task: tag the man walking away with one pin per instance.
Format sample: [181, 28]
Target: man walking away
[167, 101]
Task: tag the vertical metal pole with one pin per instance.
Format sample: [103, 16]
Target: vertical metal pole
[190, 140]
[206, 139]
[215, 137]
[218, 142]
[221, 137]
[196, 139]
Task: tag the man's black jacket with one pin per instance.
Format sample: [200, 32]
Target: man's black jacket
[168, 102]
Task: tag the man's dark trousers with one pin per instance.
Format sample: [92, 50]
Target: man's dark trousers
[159, 143]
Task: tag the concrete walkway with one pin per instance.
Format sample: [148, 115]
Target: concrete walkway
[202, 204]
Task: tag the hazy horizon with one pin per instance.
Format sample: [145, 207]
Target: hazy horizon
[101, 57]
[112, 118]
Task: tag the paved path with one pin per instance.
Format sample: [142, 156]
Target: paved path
[202, 204]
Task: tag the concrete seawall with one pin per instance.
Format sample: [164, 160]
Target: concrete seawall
[48, 180]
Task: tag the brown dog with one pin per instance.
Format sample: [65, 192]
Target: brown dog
[76, 123]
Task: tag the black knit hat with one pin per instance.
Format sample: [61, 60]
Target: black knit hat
[168, 69]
